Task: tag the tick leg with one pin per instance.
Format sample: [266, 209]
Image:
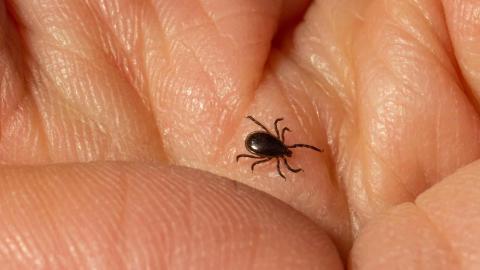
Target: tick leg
[306, 146]
[258, 123]
[283, 133]
[258, 162]
[276, 126]
[290, 168]
[278, 169]
[249, 156]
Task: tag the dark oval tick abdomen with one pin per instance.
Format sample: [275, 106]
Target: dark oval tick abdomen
[265, 144]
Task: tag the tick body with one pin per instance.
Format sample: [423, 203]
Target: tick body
[266, 146]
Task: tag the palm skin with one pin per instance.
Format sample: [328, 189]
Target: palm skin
[101, 99]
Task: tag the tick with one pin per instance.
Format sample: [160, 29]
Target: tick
[266, 146]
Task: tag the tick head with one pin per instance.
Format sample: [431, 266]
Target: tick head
[288, 153]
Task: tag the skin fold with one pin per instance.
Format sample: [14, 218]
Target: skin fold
[120, 122]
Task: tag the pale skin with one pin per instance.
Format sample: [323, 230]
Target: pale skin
[104, 103]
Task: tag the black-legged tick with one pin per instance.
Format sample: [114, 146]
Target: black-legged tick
[265, 146]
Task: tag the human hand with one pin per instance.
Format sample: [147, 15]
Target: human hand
[101, 98]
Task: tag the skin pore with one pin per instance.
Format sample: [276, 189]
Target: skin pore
[120, 122]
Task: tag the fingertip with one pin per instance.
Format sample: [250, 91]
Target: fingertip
[148, 216]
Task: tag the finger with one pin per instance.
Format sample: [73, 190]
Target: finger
[204, 76]
[82, 86]
[385, 77]
[439, 232]
[115, 216]
[463, 25]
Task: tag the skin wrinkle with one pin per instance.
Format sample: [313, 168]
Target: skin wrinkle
[415, 32]
[110, 55]
[48, 214]
[67, 104]
[165, 235]
[340, 56]
[401, 80]
[74, 240]
[396, 178]
[217, 152]
[445, 42]
[212, 78]
[226, 230]
[166, 95]
[194, 28]
[124, 200]
[334, 95]
[367, 186]
[7, 80]
[332, 80]
[245, 43]
[101, 69]
[83, 113]
[186, 227]
[332, 176]
[224, 135]
[14, 110]
[227, 15]
[111, 60]
[120, 218]
[80, 57]
[211, 21]
[355, 220]
[61, 94]
[386, 64]
[168, 62]
[417, 45]
[456, 33]
[296, 113]
[165, 229]
[42, 135]
[462, 68]
[44, 132]
[466, 11]
[379, 158]
[293, 60]
[202, 204]
[198, 61]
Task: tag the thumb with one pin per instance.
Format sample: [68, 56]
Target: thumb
[116, 216]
